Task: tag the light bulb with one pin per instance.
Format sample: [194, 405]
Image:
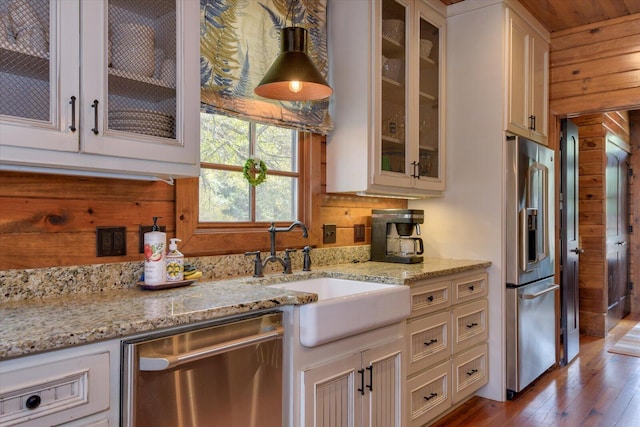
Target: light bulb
[295, 86]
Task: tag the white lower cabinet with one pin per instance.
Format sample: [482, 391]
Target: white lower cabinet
[447, 354]
[362, 389]
[72, 387]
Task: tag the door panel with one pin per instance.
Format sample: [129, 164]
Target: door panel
[570, 256]
[617, 219]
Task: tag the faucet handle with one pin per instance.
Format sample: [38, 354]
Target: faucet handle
[257, 263]
[306, 263]
[287, 260]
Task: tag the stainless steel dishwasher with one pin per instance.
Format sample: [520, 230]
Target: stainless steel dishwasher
[223, 375]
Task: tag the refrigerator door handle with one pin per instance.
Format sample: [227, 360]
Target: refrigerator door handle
[539, 294]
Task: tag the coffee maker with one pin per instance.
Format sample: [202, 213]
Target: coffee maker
[392, 235]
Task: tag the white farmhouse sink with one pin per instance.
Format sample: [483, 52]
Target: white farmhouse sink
[347, 307]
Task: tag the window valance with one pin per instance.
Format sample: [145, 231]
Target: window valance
[239, 40]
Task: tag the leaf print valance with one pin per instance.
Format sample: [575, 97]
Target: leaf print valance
[239, 40]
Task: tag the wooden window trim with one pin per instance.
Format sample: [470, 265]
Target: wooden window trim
[199, 239]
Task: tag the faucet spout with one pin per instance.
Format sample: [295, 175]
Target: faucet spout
[300, 224]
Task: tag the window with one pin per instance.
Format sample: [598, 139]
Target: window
[225, 195]
[220, 212]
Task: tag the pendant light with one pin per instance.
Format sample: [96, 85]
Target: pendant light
[293, 76]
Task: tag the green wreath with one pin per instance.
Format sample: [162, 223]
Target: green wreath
[249, 166]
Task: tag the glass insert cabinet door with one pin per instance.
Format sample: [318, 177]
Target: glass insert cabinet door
[393, 87]
[428, 112]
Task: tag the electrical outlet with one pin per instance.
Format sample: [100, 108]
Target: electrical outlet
[358, 233]
[111, 241]
[145, 229]
[329, 233]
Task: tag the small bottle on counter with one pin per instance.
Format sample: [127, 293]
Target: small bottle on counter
[175, 262]
[155, 264]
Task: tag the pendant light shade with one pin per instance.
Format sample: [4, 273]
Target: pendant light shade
[293, 76]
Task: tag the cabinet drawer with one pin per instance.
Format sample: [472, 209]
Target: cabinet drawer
[469, 287]
[429, 394]
[470, 372]
[62, 390]
[430, 297]
[428, 340]
[469, 324]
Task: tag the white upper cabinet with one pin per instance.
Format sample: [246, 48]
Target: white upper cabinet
[387, 68]
[105, 86]
[528, 80]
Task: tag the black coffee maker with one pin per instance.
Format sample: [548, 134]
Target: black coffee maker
[392, 235]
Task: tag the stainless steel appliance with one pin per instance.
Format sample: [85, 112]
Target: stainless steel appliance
[392, 237]
[223, 375]
[530, 293]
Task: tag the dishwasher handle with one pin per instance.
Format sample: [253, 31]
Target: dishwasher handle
[539, 294]
[161, 362]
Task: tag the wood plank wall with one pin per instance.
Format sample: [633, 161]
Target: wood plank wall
[593, 129]
[634, 210]
[51, 220]
[594, 69]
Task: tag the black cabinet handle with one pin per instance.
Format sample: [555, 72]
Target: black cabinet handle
[471, 288]
[471, 372]
[471, 325]
[430, 298]
[361, 389]
[370, 369]
[72, 128]
[95, 117]
[33, 402]
[415, 166]
[433, 341]
[431, 396]
[532, 122]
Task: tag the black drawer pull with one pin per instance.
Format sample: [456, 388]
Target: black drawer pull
[33, 402]
[471, 288]
[431, 342]
[430, 298]
[431, 396]
[471, 325]
[471, 372]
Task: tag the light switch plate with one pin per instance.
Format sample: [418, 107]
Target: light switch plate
[358, 233]
[329, 233]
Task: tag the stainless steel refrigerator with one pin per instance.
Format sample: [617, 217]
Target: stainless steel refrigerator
[530, 287]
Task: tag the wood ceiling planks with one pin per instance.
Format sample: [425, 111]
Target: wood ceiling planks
[558, 15]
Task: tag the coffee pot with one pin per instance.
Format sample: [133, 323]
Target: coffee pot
[392, 235]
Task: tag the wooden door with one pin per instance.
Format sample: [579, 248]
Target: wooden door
[569, 236]
[617, 218]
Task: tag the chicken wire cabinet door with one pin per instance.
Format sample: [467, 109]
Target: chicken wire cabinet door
[126, 98]
[39, 74]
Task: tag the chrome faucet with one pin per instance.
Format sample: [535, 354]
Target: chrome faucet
[286, 262]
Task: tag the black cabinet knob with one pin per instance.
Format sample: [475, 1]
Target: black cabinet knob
[33, 402]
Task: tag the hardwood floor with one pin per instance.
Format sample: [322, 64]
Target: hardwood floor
[597, 389]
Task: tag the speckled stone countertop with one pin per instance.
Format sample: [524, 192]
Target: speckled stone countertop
[42, 324]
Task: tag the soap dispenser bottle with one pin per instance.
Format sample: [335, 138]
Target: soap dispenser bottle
[175, 262]
[155, 264]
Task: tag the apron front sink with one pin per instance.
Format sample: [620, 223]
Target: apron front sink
[347, 307]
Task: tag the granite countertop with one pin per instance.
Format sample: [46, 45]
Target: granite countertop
[36, 325]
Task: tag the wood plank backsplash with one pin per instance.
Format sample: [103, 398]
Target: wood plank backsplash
[51, 220]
